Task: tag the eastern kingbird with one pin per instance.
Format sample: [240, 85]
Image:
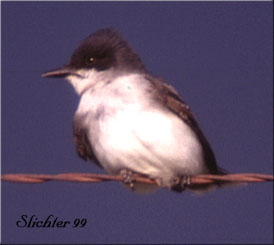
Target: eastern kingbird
[129, 120]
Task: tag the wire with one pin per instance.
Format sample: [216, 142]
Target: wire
[93, 178]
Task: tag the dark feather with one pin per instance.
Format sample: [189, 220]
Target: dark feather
[82, 145]
[107, 49]
[169, 97]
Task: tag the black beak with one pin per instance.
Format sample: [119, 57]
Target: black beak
[61, 72]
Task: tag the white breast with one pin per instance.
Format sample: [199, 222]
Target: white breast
[128, 130]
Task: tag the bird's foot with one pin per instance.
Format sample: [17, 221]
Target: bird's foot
[180, 183]
[128, 178]
[159, 182]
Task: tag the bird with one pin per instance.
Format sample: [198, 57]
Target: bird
[131, 121]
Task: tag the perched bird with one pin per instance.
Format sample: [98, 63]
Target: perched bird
[131, 121]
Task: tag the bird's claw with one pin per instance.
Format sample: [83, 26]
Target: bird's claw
[180, 183]
[128, 178]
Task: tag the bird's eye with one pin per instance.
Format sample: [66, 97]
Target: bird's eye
[89, 60]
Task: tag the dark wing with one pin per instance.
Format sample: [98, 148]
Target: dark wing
[169, 97]
[82, 145]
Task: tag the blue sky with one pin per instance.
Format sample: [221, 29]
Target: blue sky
[218, 55]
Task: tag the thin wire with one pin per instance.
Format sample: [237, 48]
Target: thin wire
[95, 178]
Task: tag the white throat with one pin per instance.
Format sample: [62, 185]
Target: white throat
[89, 79]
